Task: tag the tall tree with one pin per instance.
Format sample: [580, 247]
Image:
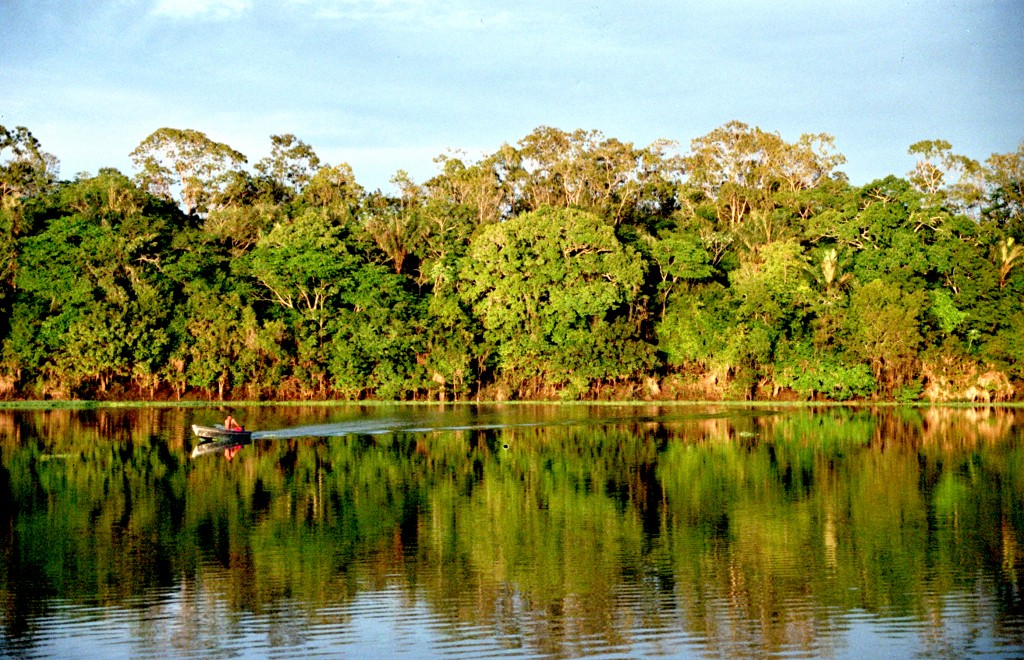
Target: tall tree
[291, 163]
[487, 187]
[613, 179]
[171, 157]
[740, 168]
[25, 169]
[333, 189]
[946, 177]
[1005, 176]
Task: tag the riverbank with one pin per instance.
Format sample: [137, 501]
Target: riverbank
[338, 403]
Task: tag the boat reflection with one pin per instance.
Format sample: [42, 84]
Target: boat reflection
[228, 447]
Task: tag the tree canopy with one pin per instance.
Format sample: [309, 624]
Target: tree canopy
[565, 265]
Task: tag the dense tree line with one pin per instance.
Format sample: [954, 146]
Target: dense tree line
[568, 265]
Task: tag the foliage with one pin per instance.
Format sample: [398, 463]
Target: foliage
[171, 157]
[26, 170]
[813, 374]
[884, 330]
[549, 286]
[568, 264]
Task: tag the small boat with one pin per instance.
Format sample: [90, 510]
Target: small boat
[217, 439]
[219, 433]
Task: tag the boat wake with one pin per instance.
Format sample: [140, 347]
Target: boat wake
[383, 426]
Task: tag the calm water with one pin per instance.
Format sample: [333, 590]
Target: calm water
[562, 531]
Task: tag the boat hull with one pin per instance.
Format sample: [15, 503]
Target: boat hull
[220, 433]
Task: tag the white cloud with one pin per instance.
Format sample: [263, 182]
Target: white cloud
[202, 9]
[457, 14]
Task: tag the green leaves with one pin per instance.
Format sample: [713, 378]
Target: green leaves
[171, 157]
[376, 337]
[545, 285]
[884, 329]
[93, 280]
[945, 311]
[25, 169]
[291, 162]
[562, 265]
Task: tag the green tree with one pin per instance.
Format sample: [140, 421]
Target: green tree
[741, 168]
[885, 229]
[25, 169]
[354, 325]
[393, 226]
[547, 286]
[333, 189]
[453, 346]
[454, 350]
[26, 173]
[884, 330]
[244, 210]
[945, 177]
[1004, 174]
[680, 258]
[586, 170]
[696, 327]
[773, 287]
[1006, 348]
[376, 337]
[486, 188]
[214, 349]
[171, 157]
[291, 163]
[445, 229]
[97, 271]
[304, 265]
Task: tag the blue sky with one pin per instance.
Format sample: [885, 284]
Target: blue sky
[390, 84]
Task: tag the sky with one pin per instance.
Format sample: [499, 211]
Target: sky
[388, 85]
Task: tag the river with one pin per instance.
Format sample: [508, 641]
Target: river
[514, 530]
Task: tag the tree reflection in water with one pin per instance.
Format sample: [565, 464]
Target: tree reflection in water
[725, 531]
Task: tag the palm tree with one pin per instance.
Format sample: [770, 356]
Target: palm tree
[829, 275]
[1006, 255]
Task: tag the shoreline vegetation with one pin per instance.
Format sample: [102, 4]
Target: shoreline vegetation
[54, 405]
[568, 266]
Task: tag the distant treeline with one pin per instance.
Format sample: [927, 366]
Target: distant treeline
[569, 265]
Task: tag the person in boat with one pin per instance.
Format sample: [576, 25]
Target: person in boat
[230, 424]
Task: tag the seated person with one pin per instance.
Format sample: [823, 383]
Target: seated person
[231, 425]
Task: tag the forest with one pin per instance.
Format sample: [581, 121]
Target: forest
[569, 265]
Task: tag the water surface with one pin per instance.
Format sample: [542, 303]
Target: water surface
[519, 530]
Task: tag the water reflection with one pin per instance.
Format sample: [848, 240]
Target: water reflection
[529, 530]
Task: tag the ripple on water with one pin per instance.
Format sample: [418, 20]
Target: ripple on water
[189, 621]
